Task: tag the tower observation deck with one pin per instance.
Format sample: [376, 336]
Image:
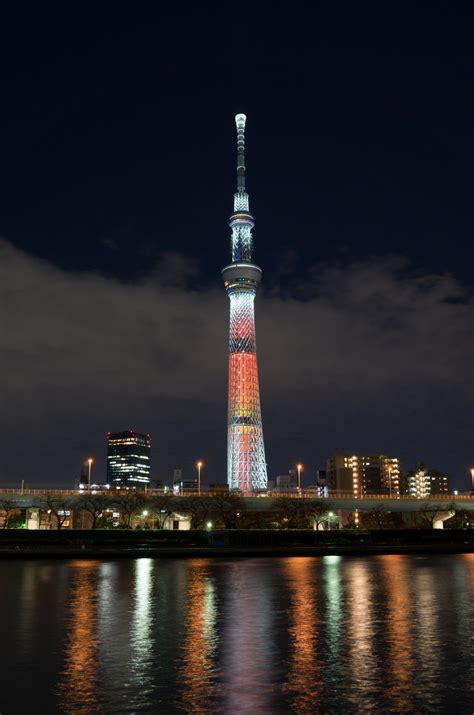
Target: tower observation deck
[246, 466]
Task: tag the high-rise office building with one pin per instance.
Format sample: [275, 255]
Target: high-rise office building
[423, 482]
[128, 459]
[246, 466]
[361, 475]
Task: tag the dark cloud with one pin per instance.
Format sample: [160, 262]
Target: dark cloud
[369, 357]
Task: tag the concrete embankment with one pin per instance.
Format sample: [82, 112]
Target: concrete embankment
[230, 543]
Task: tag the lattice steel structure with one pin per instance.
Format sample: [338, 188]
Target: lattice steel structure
[246, 466]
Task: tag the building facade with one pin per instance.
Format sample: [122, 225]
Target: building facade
[286, 483]
[246, 465]
[422, 482]
[128, 459]
[361, 475]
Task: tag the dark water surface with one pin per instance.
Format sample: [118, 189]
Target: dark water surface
[384, 634]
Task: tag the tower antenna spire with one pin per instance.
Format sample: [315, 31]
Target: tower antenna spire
[240, 120]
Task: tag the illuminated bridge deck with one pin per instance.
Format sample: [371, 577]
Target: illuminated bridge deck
[31, 498]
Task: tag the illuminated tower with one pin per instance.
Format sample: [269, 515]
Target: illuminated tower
[246, 466]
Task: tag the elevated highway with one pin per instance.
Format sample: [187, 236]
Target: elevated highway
[36, 498]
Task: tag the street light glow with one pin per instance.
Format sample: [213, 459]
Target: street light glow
[90, 461]
[299, 467]
[199, 465]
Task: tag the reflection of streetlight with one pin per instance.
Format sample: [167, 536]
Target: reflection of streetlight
[199, 465]
[89, 462]
[299, 467]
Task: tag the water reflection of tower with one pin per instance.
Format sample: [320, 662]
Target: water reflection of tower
[200, 640]
[77, 686]
[246, 466]
[303, 680]
[247, 647]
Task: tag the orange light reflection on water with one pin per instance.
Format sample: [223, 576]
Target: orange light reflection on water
[399, 661]
[198, 666]
[360, 619]
[303, 676]
[77, 686]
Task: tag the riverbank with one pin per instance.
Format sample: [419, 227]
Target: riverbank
[229, 552]
[229, 543]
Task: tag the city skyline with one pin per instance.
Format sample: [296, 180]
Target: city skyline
[181, 183]
[114, 313]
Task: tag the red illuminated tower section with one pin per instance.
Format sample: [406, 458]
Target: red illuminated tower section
[246, 466]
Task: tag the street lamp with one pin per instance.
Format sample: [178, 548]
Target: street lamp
[299, 467]
[199, 465]
[472, 479]
[89, 462]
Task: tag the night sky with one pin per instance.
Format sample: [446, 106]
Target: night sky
[117, 178]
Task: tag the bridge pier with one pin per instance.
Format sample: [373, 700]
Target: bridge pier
[32, 518]
[438, 523]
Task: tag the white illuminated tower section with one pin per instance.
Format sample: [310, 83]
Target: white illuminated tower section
[246, 466]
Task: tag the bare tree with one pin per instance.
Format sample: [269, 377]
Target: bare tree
[163, 507]
[129, 503]
[462, 519]
[376, 518]
[256, 520]
[292, 513]
[198, 508]
[95, 505]
[59, 507]
[8, 507]
[318, 511]
[227, 508]
[350, 521]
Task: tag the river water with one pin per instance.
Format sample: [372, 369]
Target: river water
[382, 634]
